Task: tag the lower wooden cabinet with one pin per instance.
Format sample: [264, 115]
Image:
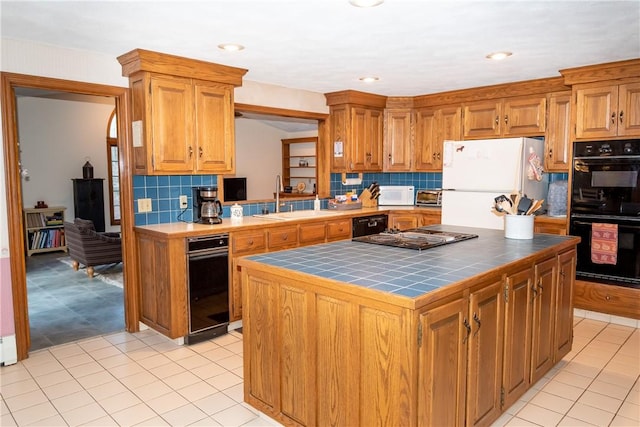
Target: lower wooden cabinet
[162, 276]
[405, 220]
[610, 299]
[564, 304]
[550, 225]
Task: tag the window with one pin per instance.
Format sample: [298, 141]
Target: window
[113, 169]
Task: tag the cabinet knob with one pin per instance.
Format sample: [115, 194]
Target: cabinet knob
[497, 119]
[550, 152]
[199, 151]
[608, 298]
[250, 242]
[613, 117]
[506, 119]
[285, 236]
[190, 151]
[621, 116]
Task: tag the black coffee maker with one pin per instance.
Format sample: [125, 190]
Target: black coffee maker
[208, 209]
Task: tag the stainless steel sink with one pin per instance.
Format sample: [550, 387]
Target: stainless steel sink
[283, 216]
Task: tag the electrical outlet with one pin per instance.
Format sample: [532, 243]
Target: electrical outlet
[183, 201]
[144, 205]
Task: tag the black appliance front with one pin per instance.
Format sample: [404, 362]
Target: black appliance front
[606, 189]
[367, 225]
[626, 269]
[208, 265]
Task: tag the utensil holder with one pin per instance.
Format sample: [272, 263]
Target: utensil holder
[518, 226]
[367, 201]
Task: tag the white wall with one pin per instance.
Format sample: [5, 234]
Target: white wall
[56, 138]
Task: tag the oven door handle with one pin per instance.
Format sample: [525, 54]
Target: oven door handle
[208, 254]
[632, 227]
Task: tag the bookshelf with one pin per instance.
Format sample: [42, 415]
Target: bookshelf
[44, 229]
[299, 164]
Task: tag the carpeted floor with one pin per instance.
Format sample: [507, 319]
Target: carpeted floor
[66, 305]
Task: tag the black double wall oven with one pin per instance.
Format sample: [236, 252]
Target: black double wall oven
[605, 211]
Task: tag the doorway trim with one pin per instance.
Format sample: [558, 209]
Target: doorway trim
[13, 187]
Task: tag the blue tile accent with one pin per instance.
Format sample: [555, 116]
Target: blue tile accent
[164, 192]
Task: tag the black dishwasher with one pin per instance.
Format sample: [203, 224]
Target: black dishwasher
[208, 272]
[372, 224]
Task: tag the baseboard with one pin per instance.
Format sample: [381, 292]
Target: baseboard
[603, 317]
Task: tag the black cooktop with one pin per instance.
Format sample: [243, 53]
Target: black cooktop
[416, 238]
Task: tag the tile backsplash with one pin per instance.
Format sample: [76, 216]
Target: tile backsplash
[164, 192]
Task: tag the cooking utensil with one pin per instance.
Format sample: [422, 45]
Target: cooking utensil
[537, 204]
[524, 204]
[516, 203]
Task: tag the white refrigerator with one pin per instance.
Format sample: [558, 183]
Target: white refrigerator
[475, 172]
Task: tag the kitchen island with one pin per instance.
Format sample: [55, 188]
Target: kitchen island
[349, 333]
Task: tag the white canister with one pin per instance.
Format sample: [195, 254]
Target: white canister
[236, 211]
[518, 226]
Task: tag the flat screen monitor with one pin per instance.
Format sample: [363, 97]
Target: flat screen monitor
[235, 189]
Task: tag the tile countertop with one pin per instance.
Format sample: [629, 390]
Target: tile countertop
[407, 272]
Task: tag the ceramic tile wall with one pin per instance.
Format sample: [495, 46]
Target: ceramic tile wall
[164, 192]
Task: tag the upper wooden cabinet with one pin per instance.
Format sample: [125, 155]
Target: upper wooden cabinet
[182, 113]
[606, 99]
[608, 111]
[398, 139]
[356, 131]
[557, 138]
[434, 126]
[505, 117]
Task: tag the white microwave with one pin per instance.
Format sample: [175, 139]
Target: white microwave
[397, 195]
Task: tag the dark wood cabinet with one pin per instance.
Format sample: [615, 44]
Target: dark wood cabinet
[88, 201]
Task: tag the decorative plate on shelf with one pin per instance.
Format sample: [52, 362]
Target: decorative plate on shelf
[301, 186]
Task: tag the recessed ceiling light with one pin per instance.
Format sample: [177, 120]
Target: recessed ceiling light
[498, 55]
[369, 79]
[365, 3]
[230, 47]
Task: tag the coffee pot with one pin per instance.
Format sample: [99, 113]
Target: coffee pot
[211, 212]
[209, 207]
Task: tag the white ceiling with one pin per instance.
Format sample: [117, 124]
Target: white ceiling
[415, 47]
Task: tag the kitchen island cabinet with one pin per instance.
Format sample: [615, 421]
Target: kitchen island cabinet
[371, 335]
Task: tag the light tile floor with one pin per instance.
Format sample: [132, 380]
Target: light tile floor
[144, 379]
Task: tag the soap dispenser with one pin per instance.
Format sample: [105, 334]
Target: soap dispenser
[316, 204]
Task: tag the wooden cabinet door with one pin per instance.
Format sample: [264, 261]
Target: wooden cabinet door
[517, 337]
[629, 110]
[557, 139]
[442, 361]
[483, 120]
[524, 117]
[543, 318]
[596, 112]
[374, 137]
[564, 304]
[484, 371]
[398, 140]
[172, 141]
[449, 129]
[261, 361]
[403, 221]
[430, 218]
[339, 229]
[426, 137]
[339, 121]
[215, 141]
[313, 233]
[359, 144]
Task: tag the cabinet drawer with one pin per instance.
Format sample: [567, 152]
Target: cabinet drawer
[339, 230]
[282, 237]
[247, 242]
[312, 233]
